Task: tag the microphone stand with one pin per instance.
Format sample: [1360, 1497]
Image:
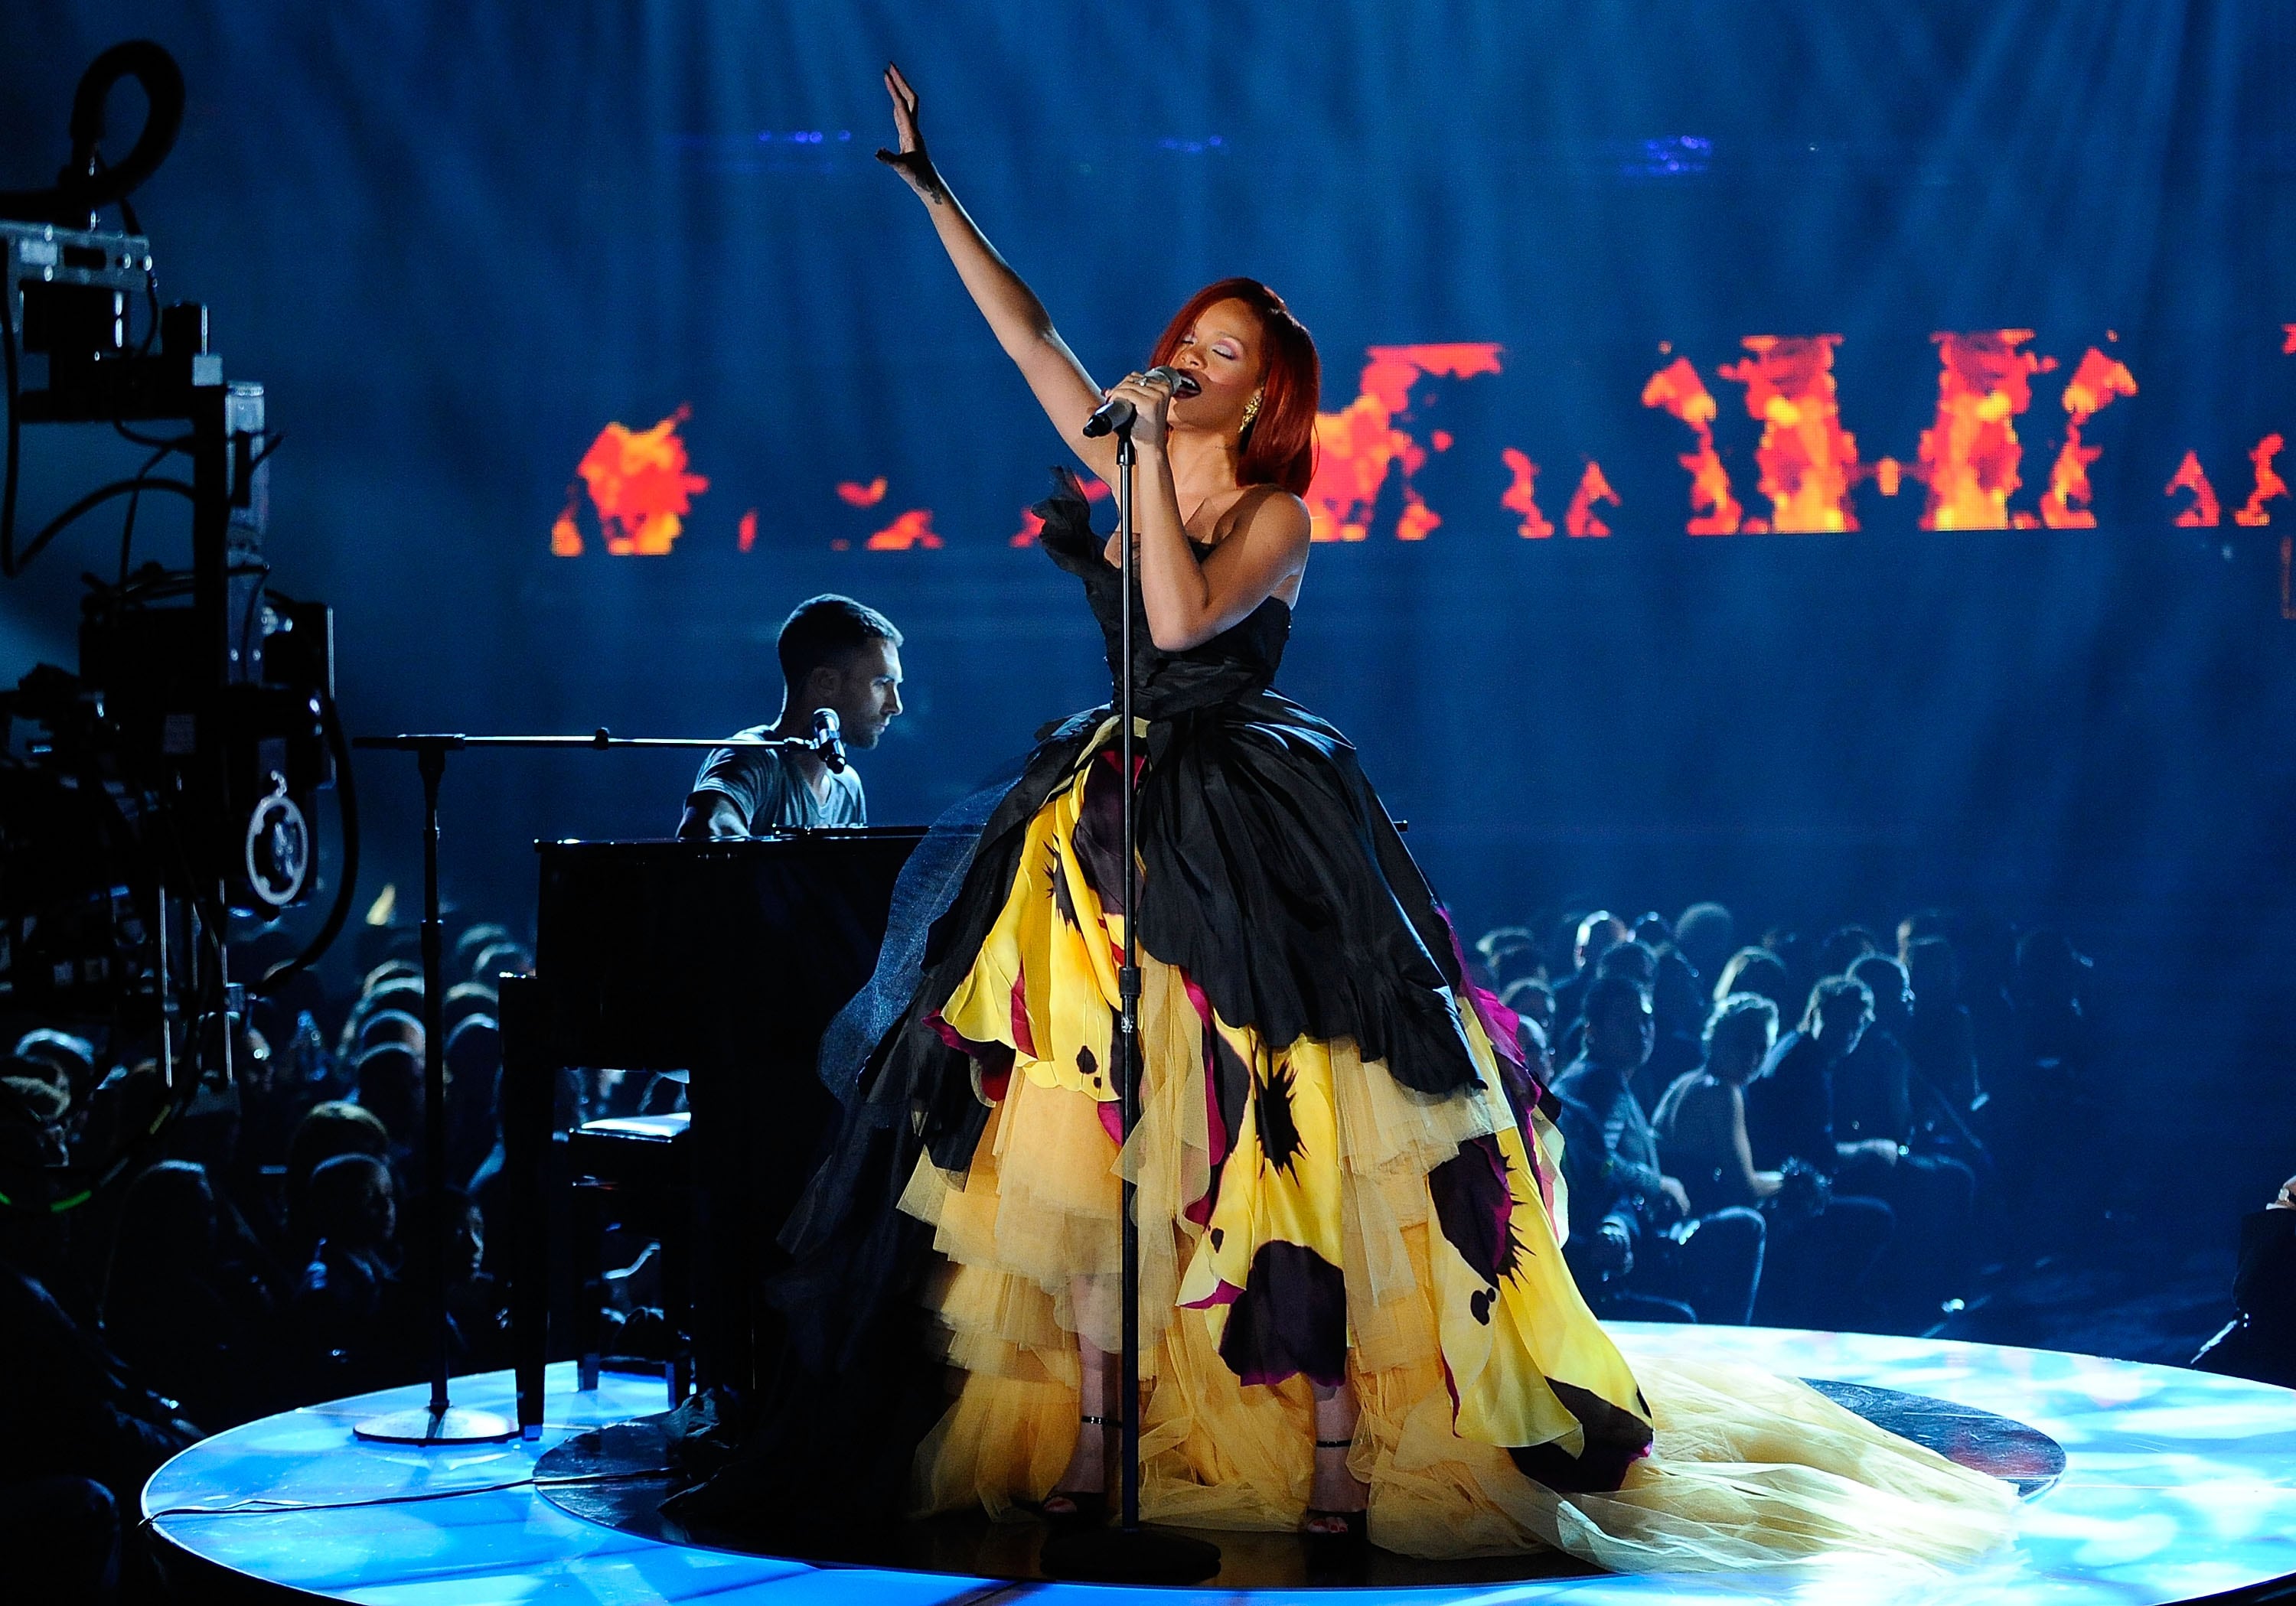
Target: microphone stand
[1129, 1552]
[441, 1421]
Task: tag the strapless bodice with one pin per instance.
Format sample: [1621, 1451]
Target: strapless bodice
[1241, 659]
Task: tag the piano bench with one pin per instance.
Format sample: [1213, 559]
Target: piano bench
[637, 1170]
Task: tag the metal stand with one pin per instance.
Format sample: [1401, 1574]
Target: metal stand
[1129, 1552]
[442, 1423]
[439, 1422]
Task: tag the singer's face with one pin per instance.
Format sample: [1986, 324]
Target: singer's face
[1222, 353]
[865, 688]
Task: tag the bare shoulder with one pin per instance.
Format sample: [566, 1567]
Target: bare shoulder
[1270, 520]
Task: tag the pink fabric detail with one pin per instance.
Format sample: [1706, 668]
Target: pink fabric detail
[1226, 1293]
[1024, 1038]
[950, 1035]
[1203, 1005]
[1112, 1120]
[1501, 1024]
[994, 1059]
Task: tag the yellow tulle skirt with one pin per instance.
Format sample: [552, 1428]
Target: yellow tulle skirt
[1460, 1352]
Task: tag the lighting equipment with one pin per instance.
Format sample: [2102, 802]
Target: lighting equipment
[170, 782]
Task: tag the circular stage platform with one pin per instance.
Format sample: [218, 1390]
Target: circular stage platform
[2177, 1486]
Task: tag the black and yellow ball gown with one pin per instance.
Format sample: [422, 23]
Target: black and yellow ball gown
[1343, 1172]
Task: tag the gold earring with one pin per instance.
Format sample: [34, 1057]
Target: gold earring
[1250, 411]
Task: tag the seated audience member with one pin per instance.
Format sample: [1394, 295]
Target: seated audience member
[1595, 935]
[1679, 1005]
[334, 1127]
[1756, 970]
[1844, 946]
[1921, 923]
[1635, 1246]
[476, 1301]
[473, 1086]
[1790, 1104]
[1875, 1095]
[1820, 1248]
[1706, 935]
[464, 1000]
[1510, 953]
[402, 994]
[390, 1089]
[390, 1029]
[2260, 1341]
[503, 959]
[1528, 997]
[80, 1435]
[353, 1317]
[1700, 1119]
[72, 1061]
[1939, 1038]
[191, 1323]
[1797, 953]
[463, 964]
[1629, 958]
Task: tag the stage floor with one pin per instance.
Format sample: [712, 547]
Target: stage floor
[2177, 1485]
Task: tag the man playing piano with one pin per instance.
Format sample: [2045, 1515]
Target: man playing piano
[835, 654]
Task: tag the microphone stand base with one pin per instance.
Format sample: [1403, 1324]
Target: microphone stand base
[1128, 1555]
[421, 1425]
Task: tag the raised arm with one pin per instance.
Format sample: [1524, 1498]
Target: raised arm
[1018, 319]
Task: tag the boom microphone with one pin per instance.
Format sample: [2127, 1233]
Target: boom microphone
[1117, 413]
[828, 739]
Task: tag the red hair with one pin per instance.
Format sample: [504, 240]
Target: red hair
[1279, 444]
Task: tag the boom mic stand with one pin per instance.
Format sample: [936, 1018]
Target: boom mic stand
[1129, 1552]
[441, 1421]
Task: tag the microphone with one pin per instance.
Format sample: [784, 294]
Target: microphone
[1117, 413]
[828, 739]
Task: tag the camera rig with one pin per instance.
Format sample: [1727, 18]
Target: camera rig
[170, 782]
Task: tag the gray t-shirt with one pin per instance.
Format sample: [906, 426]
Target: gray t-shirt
[771, 795]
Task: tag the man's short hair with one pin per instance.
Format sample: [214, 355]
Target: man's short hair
[1823, 996]
[1614, 992]
[1633, 957]
[824, 628]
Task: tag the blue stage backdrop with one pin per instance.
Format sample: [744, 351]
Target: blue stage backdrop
[1827, 457]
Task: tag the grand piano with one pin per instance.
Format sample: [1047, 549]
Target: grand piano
[724, 959]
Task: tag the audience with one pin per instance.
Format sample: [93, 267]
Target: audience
[1935, 1093]
[1821, 1247]
[1636, 1244]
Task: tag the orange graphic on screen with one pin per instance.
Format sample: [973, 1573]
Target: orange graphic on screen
[745, 534]
[1969, 455]
[1417, 518]
[2095, 383]
[2200, 511]
[2269, 483]
[1677, 389]
[639, 487]
[1807, 458]
[911, 531]
[1520, 496]
[1356, 447]
[1579, 519]
[1031, 527]
[855, 494]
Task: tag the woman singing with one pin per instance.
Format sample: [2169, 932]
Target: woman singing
[1353, 1297]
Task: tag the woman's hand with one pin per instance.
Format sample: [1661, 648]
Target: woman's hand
[1152, 402]
[910, 161]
